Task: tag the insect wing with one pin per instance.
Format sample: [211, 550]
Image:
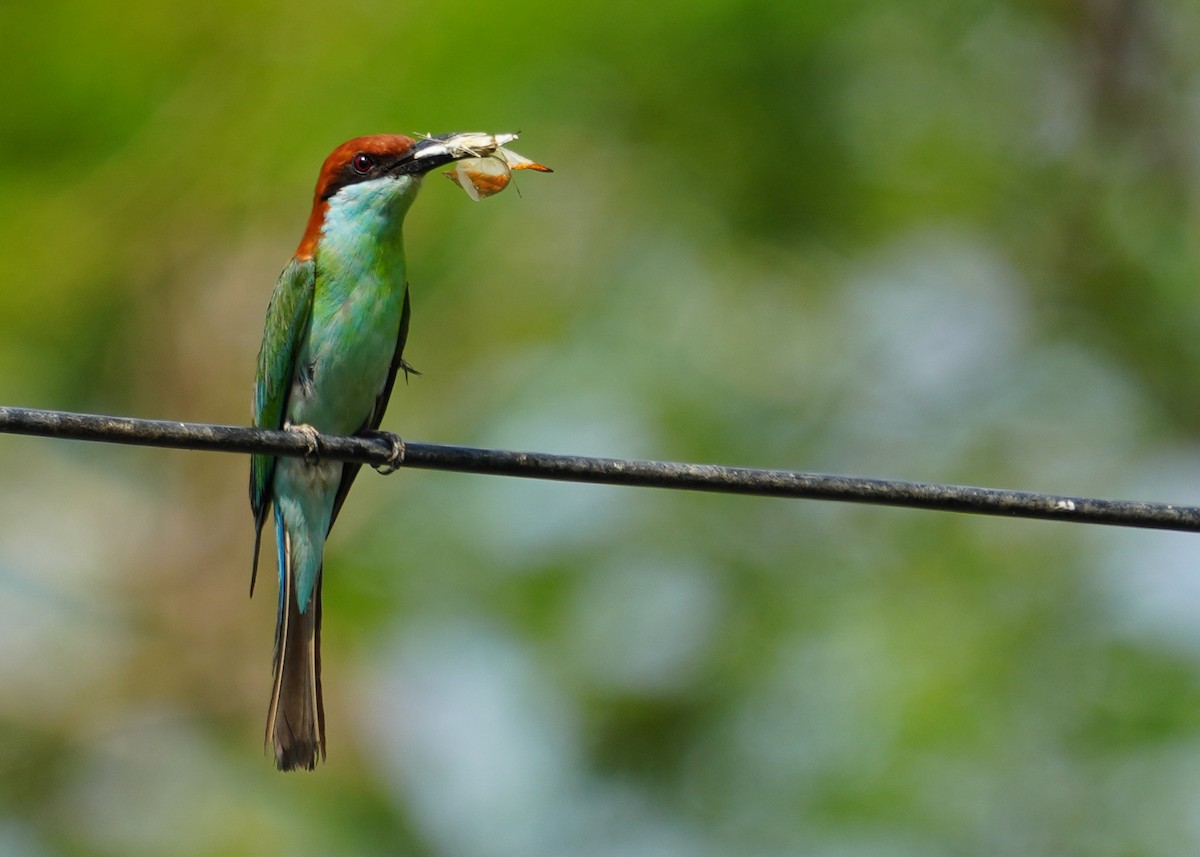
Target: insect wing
[481, 177]
[520, 162]
[469, 144]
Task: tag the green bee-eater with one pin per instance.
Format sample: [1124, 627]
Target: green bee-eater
[333, 344]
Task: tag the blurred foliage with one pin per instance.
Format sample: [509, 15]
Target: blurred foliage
[932, 240]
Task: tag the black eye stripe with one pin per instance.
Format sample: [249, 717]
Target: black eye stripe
[353, 172]
[373, 166]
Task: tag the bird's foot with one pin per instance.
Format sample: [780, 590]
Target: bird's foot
[396, 458]
[312, 441]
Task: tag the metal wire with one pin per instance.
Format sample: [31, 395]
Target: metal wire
[378, 451]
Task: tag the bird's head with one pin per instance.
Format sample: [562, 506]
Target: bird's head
[388, 167]
[381, 157]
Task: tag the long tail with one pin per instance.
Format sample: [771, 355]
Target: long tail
[296, 718]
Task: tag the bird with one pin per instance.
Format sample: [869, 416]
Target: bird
[332, 347]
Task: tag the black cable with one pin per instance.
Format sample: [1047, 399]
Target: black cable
[378, 451]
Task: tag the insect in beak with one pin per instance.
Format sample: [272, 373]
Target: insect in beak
[487, 167]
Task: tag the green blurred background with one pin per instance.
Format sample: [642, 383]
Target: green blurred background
[952, 241]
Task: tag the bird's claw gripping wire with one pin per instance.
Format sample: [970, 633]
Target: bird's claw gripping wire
[395, 458]
[312, 441]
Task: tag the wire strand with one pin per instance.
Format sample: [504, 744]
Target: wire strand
[379, 451]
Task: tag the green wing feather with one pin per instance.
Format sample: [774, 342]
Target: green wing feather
[288, 317]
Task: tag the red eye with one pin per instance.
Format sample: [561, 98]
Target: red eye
[362, 163]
